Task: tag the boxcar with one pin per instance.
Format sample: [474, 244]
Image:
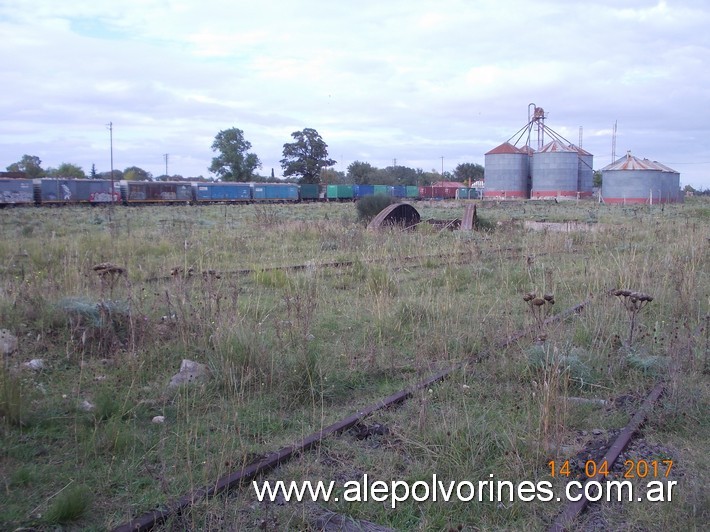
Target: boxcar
[61, 191]
[412, 192]
[222, 192]
[438, 192]
[383, 190]
[310, 192]
[340, 192]
[156, 192]
[361, 191]
[274, 192]
[16, 192]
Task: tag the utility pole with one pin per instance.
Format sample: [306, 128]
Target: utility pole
[165, 156]
[110, 132]
[442, 167]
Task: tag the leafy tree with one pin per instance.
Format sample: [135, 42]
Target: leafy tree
[31, 165]
[67, 170]
[306, 156]
[233, 162]
[465, 171]
[134, 173]
[332, 177]
[117, 175]
[597, 179]
[362, 173]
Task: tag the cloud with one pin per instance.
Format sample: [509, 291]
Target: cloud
[411, 80]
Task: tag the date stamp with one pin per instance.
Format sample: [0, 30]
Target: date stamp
[631, 469]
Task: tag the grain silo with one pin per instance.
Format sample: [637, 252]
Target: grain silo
[633, 180]
[585, 173]
[555, 170]
[506, 173]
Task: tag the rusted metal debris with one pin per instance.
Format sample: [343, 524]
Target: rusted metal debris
[451, 225]
[469, 218]
[107, 269]
[398, 215]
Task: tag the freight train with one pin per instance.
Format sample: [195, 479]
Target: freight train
[57, 191]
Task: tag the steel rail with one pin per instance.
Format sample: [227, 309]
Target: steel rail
[153, 518]
[573, 509]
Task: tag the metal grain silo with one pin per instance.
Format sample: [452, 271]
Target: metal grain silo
[585, 173]
[506, 173]
[555, 171]
[633, 180]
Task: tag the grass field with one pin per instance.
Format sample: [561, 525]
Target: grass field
[294, 343]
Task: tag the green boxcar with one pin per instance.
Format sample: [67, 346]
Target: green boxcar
[412, 191]
[340, 192]
[383, 190]
[310, 192]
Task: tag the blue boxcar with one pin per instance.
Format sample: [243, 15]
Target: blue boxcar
[223, 192]
[53, 190]
[16, 192]
[399, 191]
[274, 192]
[360, 191]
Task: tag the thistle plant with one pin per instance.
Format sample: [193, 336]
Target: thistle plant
[540, 308]
[634, 303]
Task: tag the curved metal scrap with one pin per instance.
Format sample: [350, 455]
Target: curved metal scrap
[400, 214]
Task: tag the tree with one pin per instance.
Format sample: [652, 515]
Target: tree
[134, 173]
[362, 173]
[597, 179]
[306, 157]
[465, 171]
[233, 162]
[67, 170]
[31, 165]
[93, 174]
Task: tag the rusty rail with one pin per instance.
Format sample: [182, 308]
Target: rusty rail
[154, 517]
[573, 509]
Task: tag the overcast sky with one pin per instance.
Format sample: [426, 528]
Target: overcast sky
[380, 80]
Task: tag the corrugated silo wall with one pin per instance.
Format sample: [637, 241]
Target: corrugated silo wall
[506, 175]
[671, 188]
[585, 183]
[555, 175]
[632, 186]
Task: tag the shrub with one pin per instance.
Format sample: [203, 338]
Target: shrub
[370, 206]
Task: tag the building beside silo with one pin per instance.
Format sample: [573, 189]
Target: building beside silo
[506, 173]
[633, 180]
[585, 172]
[555, 172]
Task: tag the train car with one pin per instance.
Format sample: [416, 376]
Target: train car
[57, 191]
[310, 192]
[275, 192]
[16, 192]
[222, 192]
[399, 191]
[340, 193]
[361, 191]
[439, 193]
[144, 192]
[383, 190]
[412, 192]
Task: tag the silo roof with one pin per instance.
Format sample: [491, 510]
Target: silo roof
[506, 147]
[556, 146]
[579, 150]
[630, 162]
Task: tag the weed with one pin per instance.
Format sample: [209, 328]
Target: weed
[69, 505]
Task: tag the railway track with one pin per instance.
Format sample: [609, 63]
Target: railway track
[152, 518]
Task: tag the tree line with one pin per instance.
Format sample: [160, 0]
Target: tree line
[305, 160]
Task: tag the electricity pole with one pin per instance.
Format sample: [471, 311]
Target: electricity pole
[165, 156]
[110, 132]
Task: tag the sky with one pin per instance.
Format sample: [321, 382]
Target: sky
[423, 84]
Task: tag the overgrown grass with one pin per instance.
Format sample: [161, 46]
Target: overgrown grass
[293, 344]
